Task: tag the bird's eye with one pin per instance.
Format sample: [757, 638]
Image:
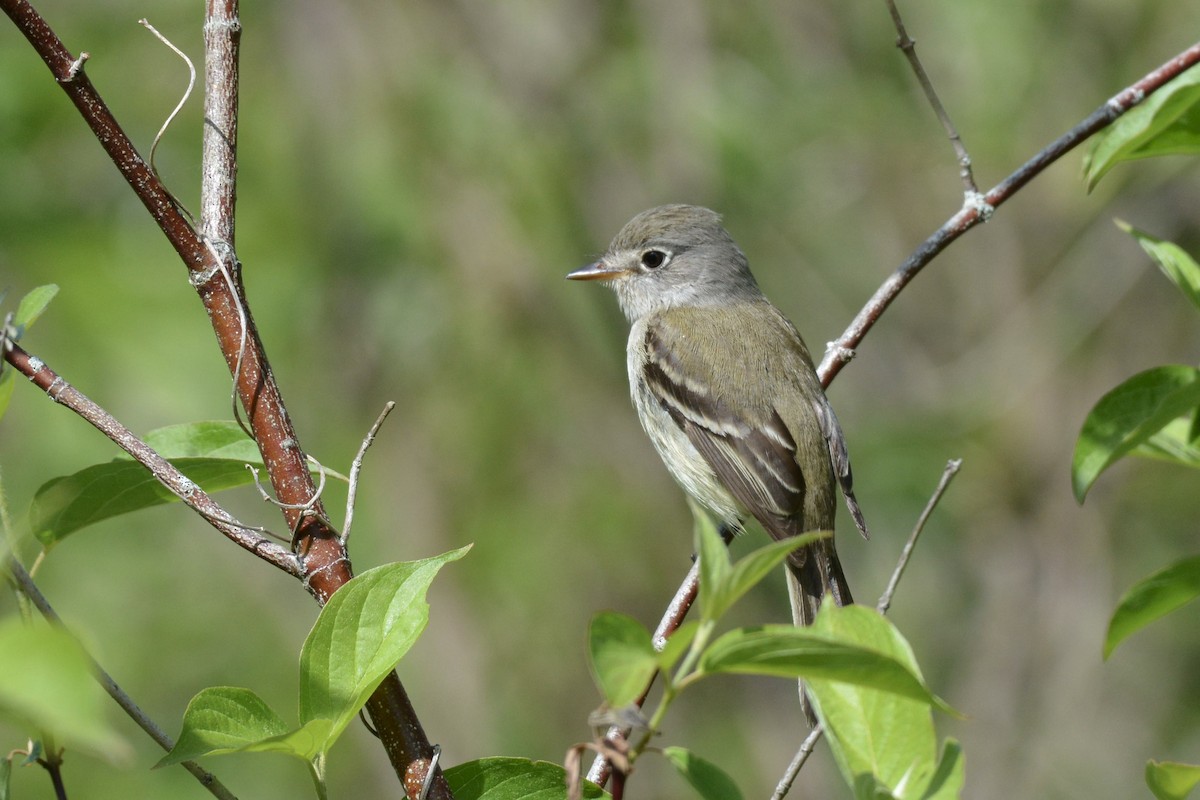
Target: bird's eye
[653, 259]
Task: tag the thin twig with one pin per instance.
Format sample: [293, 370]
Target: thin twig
[356, 468]
[60, 391]
[30, 590]
[885, 600]
[806, 749]
[909, 48]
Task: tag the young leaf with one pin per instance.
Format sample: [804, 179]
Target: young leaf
[359, 637]
[677, 644]
[714, 561]
[1175, 443]
[30, 308]
[881, 734]
[622, 657]
[709, 780]
[1151, 598]
[1168, 123]
[46, 683]
[1171, 781]
[1128, 416]
[951, 775]
[223, 719]
[33, 304]
[756, 565]
[512, 779]
[1172, 259]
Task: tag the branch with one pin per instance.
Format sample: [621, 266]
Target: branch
[195, 498]
[209, 781]
[214, 272]
[980, 209]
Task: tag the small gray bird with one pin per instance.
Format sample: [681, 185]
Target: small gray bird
[726, 390]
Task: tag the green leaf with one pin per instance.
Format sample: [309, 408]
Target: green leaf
[1171, 781]
[714, 562]
[622, 657]
[33, 304]
[211, 454]
[677, 644]
[224, 719]
[1172, 259]
[1168, 123]
[885, 735]
[1151, 598]
[709, 780]
[951, 774]
[785, 651]
[1128, 416]
[46, 683]
[1175, 443]
[7, 382]
[359, 637]
[30, 308]
[512, 779]
[756, 565]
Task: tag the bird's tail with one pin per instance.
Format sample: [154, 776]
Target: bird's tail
[813, 572]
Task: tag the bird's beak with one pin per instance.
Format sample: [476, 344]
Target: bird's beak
[599, 271]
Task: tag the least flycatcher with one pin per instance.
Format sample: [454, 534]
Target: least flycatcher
[726, 390]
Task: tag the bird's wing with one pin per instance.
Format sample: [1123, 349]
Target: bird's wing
[753, 454]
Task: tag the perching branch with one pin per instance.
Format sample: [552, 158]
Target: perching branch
[980, 210]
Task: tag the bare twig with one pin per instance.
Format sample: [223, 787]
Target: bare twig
[909, 48]
[885, 600]
[974, 212]
[806, 749]
[58, 390]
[31, 591]
[356, 468]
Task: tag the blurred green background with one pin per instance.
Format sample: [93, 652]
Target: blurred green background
[415, 180]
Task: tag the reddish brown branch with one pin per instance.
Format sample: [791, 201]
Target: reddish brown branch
[215, 273]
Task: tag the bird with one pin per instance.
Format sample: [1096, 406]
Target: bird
[725, 388]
